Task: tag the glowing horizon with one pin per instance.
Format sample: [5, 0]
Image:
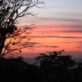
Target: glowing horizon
[58, 26]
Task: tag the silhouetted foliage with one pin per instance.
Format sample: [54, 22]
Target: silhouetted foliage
[53, 67]
[10, 11]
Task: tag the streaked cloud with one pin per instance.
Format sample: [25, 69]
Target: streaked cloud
[58, 26]
[46, 46]
[73, 31]
[58, 21]
[74, 37]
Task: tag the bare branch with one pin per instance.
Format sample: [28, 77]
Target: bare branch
[10, 34]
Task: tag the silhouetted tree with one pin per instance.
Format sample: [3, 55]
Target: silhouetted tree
[10, 11]
[56, 67]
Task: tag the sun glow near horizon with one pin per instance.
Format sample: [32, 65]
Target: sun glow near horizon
[57, 26]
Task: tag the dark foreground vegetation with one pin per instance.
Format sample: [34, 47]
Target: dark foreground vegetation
[51, 67]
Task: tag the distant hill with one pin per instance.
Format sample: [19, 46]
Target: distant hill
[29, 60]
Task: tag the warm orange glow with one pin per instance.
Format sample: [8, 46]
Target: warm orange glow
[47, 38]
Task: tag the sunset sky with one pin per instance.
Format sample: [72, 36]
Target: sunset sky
[58, 26]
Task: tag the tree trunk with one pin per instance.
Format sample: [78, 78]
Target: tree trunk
[2, 43]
